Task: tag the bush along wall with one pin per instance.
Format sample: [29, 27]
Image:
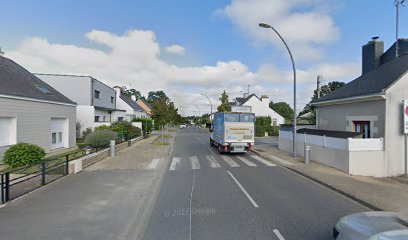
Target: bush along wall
[147, 124]
[23, 154]
[263, 125]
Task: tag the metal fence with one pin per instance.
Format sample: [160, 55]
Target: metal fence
[19, 181]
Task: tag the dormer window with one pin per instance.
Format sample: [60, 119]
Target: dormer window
[43, 89]
[97, 93]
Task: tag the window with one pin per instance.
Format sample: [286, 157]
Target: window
[43, 89]
[53, 138]
[97, 94]
[112, 99]
[363, 127]
[274, 122]
[120, 119]
[96, 118]
[8, 131]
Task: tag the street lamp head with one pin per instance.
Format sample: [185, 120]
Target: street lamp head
[264, 25]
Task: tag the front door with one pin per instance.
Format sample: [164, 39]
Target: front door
[363, 127]
[58, 133]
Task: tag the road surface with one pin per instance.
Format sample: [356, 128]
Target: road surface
[207, 195]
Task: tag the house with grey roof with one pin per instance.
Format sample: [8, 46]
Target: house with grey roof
[372, 104]
[133, 110]
[259, 106]
[145, 106]
[97, 102]
[32, 111]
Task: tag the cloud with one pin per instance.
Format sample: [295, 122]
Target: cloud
[133, 60]
[176, 49]
[304, 24]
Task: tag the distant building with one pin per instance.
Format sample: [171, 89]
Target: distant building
[133, 110]
[260, 106]
[96, 100]
[32, 111]
[145, 106]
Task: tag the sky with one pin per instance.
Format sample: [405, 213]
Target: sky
[187, 47]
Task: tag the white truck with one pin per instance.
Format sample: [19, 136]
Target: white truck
[233, 131]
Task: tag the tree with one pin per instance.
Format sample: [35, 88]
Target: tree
[225, 106]
[131, 92]
[155, 95]
[282, 109]
[324, 90]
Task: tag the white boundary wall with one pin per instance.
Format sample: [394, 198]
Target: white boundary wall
[363, 157]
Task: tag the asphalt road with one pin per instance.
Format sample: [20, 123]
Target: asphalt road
[206, 195]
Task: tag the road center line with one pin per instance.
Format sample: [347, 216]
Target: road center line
[243, 190]
[277, 233]
[191, 200]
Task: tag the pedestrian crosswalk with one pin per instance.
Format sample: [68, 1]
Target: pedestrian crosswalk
[209, 161]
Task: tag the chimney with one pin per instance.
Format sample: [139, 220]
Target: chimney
[265, 99]
[372, 52]
[133, 97]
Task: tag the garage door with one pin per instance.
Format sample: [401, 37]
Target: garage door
[59, 133]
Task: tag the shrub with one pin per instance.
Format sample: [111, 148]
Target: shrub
[100, 138]
[103, 127]
[262, 125]
[86, 132]
[23, 154]
[126, 130]
[147, 124]
[273, 130]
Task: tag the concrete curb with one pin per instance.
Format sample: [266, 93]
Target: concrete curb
[333, 188]
[143, 215]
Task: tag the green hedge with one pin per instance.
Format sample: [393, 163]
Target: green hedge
[23, 154]
[126, 130]
[147, 124]
[263, 125]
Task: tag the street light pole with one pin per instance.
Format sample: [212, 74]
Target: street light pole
[211, 108]
[265, 25]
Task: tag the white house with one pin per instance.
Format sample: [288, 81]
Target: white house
[96, 100]
[32, 111]
[260, 106]
[133, 110]
[360, 126]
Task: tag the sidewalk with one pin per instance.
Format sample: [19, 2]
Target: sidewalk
[111, 199]
[388, 194]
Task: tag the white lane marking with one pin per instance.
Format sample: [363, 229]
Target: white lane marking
[195, 164]
[247, 162]
[281, 160]
[277, 233]
[213, 163]
[153, 164]
[229, 161]
[174, 163]
[259, 159]
[243, 190]
[191, 200]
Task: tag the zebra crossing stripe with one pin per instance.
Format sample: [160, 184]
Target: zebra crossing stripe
[195, 164]
[229, 161]
[153, 164]
[247, 162]
[259, 159]
[213, 163]
[174, 163]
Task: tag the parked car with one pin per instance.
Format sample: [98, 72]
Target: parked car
[371, 226]
[183, 125]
